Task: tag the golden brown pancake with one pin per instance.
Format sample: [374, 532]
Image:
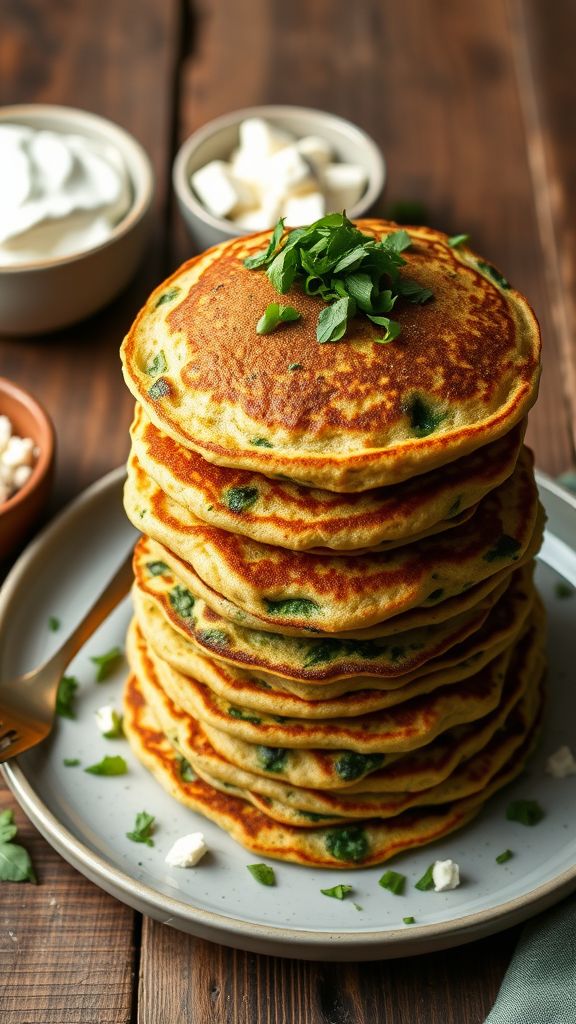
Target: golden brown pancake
[357, 414]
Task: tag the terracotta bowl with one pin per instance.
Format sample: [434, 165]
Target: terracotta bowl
[21, 512]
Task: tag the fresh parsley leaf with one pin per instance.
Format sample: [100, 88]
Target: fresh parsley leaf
[398, 241]
[7, 827]
[393, 881]
[491, 271]
[65, 697]
[263, 873]
[504, 856]
[283, 269]
[238, 499]
[455, 240]
[167, 296]
[414, 292]
[264, 257]
[158, 365]
[159, 389]
[333, 321]
[337, 892]
[143, 828]
[187, 773]
[71, 762]
[409, 920]
[274, 316]
[157, 568]
[116, 730]
[15, 864]
[182, 601]
[53, 624]
[427, 881]
[392, 328]
[109, 766]
[527, 812]
[106, 663]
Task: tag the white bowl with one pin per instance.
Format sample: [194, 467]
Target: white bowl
[217, 139]
[47, 294]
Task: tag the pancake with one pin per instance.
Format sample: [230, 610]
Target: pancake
[355, 845]
[284, 514]
[356, 414]
[252, 692]
[336, 594]
[404, 727]
[431, 613]
[311, 660]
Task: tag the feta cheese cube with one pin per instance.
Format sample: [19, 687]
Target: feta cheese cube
[262, 139]
[445, 875]
[20, 476]
[187, 851]
[344, 185]
[5, 432]
[288, 171]
[315, 150]
[108, 721]
[561, 763]
[219, 191]
[19, 451]
[304, 209]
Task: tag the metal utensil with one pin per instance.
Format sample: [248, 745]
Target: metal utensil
[27, 703]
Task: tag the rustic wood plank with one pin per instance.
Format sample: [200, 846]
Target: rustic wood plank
[117, 60]
[66, 947]
[548, 90]
[209, 984]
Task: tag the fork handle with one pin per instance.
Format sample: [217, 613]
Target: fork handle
[107, 600]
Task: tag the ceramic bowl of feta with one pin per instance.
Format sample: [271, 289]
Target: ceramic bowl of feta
[75, 215]
[26, 464]
[243, 171]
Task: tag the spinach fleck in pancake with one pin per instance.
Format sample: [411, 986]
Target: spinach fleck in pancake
[269, 694]
[338, 593]
[356, 414]
[282, 513]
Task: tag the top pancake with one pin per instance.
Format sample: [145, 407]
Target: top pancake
[356, 414]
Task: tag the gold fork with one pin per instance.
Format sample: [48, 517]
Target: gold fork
[27, 703]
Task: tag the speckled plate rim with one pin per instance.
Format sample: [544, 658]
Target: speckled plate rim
[260, 938]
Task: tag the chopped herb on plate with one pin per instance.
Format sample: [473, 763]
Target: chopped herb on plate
[337, 892]
[115, 765]
[427, 881]
[527, 812]
[106, 663]
[53, 624]
[393, 881]
[263, 873]
[65, 697]
[143, 828]
[409, 920]
[71, 762]
[504, 856]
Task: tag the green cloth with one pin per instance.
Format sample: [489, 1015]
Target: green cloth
[539, 986]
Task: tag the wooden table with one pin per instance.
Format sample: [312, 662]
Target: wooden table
[473, 105]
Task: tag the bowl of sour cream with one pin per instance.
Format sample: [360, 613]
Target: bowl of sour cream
[75, 215]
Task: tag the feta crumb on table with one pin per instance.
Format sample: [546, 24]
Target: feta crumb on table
[561, 763]
[445, 875]
[187, 851]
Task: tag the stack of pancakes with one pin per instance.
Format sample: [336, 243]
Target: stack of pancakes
[337, 648]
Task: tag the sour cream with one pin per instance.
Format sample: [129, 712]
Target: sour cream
[60, 194]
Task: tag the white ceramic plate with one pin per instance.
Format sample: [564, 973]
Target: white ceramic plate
[86, 817]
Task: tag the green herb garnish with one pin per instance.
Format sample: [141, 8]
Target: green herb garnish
[15, 863]
[394, 882]
[427, 881]
[109, 766]
[272, 759]
[347, 269]
[157, 568]
[504, 856]
[71, 762]
[65, 697]
[263, 873]
[158, 365]
[274, 316]
[53, 624]
[491, 271]
[563, 590]
[409, 920]
[167, 296]
[116, 730]
[159, 388]
[299, 606]
[351, 765]
[337, 892]
[424, 418]
[527, 812]
[505, 547]
[106, 663]
[261, 442]
[243, 715]
[238, 499]
[187, 773]
[143, 829]
[348, 844]
[182, 601]
[295, 366]
[456, 240]
[216, 637]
